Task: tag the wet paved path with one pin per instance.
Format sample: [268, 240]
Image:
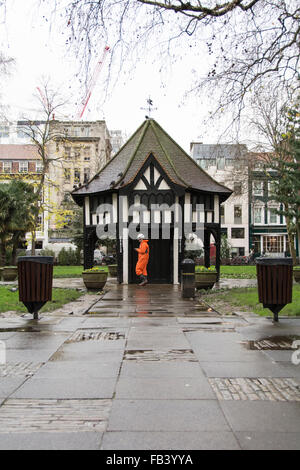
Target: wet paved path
[145, 369]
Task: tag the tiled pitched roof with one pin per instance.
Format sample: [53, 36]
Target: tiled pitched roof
[18, 152]
[150, 138]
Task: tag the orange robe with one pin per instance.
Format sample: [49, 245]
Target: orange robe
[143, 258]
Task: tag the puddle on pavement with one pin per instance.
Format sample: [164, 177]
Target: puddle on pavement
[25, 329]
[272, 343]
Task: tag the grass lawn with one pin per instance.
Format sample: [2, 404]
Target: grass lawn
[10, 300]
[238, 272]
[246, 299]
[70, 271]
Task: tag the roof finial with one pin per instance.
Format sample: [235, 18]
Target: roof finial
[150, 108]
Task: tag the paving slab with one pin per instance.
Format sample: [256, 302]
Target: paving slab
[50, 441]
[280, 356]
[166, 415]
[161, 369]
[97, 322]
[98, 357]
[244, 369]
[164, 388]
[86, 370]
[8, 385]
[92, 347]
[269, 440]
[71, 388]
[28, 355]
[36, 341]
[262, 416]
[169, 440]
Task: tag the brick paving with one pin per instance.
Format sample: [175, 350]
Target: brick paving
[26, 416]
[273, 389]
[19, 369]
[154, 355]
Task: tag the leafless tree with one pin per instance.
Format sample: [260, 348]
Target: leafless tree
[272, 120]
[42, 133]
[248, 41]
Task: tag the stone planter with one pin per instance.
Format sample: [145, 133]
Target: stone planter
[10, 273]
[205, 279]
[112, 270]
[296, 273]
[94, 279]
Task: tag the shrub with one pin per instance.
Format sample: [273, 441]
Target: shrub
[47, 252]
[69, 257]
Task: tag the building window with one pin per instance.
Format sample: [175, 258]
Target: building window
[257, 215]
[237, 233]
[40, 223]
[67, 174]
[21, 134]
[237, 214]
[76, 175]
[67, 153]
[86, 175]
[241, 251]
[221, 163]
[237, 188]
[23, 167]
[271, 189]
[256, 243]
[77, 152]
[273, 218]
[4, 131]
[273, 244]
[39, 167]
[86, 152]
[6, 167]
[258, 188]
[222, 214]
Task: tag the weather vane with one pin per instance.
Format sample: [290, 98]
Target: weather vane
[150, 108]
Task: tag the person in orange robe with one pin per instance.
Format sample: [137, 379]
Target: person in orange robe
[143, 258]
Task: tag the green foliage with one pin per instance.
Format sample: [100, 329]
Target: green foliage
[225, 248]
[285, 173]
[76, 228]
[68, 257]
[47, 252]
[17, 215]
[10, 300]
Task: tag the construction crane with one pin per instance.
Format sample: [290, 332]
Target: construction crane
[44, 100]
[92, 84]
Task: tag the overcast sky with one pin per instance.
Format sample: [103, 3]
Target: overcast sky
[40, 51]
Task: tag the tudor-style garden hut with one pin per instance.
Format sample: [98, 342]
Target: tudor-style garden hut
[151, 171]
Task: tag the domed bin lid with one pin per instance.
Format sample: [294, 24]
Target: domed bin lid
[37, 259]
[274, 261]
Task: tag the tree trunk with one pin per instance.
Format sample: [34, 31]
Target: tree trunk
[291, 239]
[33, 238]
[2, 254]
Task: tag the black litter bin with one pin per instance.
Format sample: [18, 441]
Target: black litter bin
[275, 283]
[188, 278]
[35, 274]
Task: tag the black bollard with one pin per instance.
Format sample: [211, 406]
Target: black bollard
[188, 278]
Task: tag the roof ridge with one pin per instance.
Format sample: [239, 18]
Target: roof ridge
[146, 125]
[116, 154]
[194, 162]
[166, 154]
